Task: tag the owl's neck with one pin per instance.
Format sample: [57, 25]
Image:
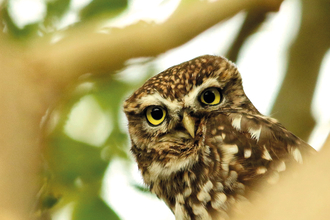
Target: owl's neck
[203, 192]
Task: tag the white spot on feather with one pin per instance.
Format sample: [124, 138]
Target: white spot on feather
[236, 123]
[297, 155]
[247, 153]
[255, 133]
[187, 192]
[208, 186]
[230, 148]
[201, 211]
[218, 139]
[179, 198]
[221, 128]
[261, 170]
[228, 155]
[180, 212]
[265, 154]
[218, 200]
[204, 195]
[186, 178]
[223, 135]
[157, 169]
[281, 166]
[218, 187]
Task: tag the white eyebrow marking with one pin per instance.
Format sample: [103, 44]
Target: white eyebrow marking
[157, 99]
[190, 98]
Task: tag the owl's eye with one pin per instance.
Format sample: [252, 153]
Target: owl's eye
[155, 115]
[211, 96]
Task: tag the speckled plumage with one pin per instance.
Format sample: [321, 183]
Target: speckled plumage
[233, 147]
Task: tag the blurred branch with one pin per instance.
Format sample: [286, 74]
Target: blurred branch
[20, 114]
[253, 20]
[302, 194]
[83, 52]
[293, 103]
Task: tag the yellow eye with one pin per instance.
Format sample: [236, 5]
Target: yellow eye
[155, 115]
[211, 96]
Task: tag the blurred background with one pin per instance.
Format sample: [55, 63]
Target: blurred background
[88, 173]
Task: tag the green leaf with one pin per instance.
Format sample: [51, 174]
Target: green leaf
[117, 145]
[16, 32]
[110, 93]
[48, 201]
[69, 159]
[93, 209]
[97, 7]
[55, 10]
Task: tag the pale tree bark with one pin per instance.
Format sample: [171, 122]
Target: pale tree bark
[23, 102]
[35, 77]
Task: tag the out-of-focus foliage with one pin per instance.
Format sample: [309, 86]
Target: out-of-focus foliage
[55, 11]
[93, 208]
[28, 31]
[97, 7]
[74, 170]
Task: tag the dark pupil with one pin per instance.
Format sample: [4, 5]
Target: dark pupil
[157, 113]
[209, 96]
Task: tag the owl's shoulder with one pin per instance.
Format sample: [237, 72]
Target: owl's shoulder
[251, 132]
[256, 147]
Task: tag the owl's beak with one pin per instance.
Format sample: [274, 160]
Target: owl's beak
[189, 124]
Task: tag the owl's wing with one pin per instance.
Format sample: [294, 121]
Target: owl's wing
[261, 147]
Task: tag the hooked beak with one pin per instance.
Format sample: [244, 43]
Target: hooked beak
[189, 124]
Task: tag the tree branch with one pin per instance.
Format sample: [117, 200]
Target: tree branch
[83, 52]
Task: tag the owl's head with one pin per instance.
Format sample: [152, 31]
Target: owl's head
[167, 116]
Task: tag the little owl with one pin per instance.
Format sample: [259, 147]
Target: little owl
[199, 142]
